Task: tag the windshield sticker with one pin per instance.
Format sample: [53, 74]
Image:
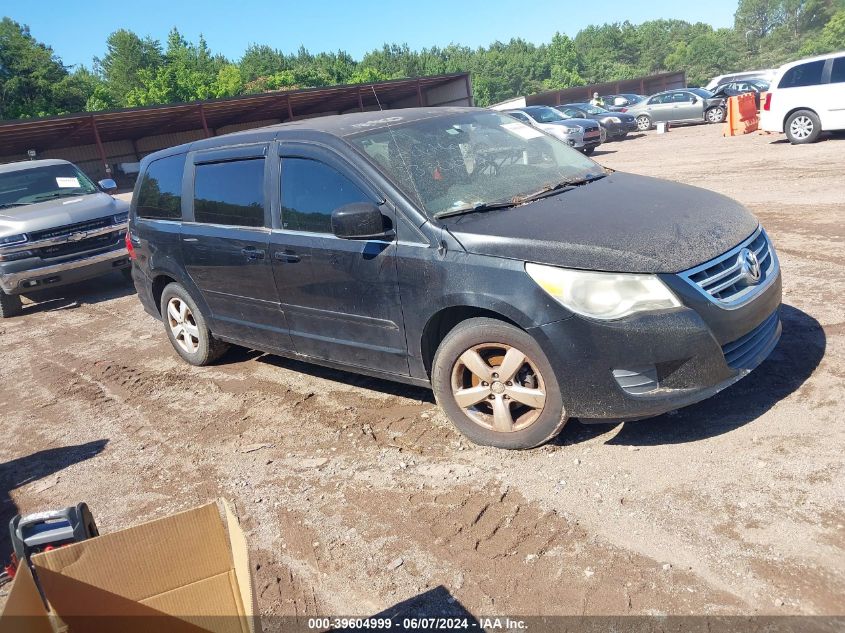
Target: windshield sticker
[525, 131]
[67, 183]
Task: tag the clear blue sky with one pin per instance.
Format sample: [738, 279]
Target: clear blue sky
[77, 31]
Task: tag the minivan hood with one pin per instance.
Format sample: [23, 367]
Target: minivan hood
[620, 223]
[53, 213]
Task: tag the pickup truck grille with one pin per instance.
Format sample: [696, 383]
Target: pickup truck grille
[82, 246]
[68, 229]
[725, 281]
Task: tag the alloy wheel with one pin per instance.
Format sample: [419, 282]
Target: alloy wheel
[182, 325]
[498, 387]
[715, 115]
[801, 127]
[643, 123]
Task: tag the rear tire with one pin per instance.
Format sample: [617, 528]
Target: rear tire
[643, 123]
[10, 305]
[802, 127]
[497, 386]
[187, 329]
[589, 150]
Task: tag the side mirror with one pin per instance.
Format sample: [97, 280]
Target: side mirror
[108, 185]
[361, 221]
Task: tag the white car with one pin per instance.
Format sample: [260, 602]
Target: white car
[806, 98]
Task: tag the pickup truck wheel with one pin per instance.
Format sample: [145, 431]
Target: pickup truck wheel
[497, 386]
[186, 327]
[803, 127]
[10, 305]
[643, 123]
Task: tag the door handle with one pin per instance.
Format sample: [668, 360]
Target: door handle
[286, 256]
[253, 253]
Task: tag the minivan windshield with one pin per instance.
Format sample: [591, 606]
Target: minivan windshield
[42, 182]
[471, 160]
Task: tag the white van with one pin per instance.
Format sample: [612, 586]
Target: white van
[806, 97]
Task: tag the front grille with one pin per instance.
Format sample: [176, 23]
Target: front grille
[743, 352]
[72, 248]
[67, 229]
[724, 279]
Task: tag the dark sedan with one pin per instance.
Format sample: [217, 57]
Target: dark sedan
[741, 87]
[616, 124]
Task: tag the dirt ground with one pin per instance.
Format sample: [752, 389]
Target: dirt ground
[357, 494]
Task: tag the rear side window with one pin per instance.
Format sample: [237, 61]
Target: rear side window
[160, 193]
[837, 74]
[311, 190]
[809, 74]
[230, 193]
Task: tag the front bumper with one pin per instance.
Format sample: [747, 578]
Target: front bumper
[621, 129]
[583, 140]
[19, 277]
[651, 363]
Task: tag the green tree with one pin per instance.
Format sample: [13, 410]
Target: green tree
[831, 38]
[563, 64]
[33, 81]
[127, 55]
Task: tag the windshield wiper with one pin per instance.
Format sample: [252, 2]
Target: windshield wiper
[560, 187]
[481, 206]
[53, 196]
[8, 205]
[548, 190]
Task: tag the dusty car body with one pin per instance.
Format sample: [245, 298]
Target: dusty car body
[460, 249]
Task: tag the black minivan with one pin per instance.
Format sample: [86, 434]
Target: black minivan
[461, 249]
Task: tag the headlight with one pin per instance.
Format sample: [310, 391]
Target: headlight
[12, 239]
[602, 296]
[120, 218]
[615, 119]
[573, 129]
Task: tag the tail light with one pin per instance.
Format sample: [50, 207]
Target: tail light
[623, 109]
[130, 247]
[767, 104]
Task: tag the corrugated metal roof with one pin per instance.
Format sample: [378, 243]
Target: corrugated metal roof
[133, 123]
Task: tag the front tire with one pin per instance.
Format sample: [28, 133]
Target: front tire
[803, 127]
[589, 150]
[187, 329]
[497, 386]
[715, 115]
[643, 123]
[10, 305]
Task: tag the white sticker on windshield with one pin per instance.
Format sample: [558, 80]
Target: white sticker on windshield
[67, 183]
[525, 131]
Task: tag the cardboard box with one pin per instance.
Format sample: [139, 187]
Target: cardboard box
[179, 574]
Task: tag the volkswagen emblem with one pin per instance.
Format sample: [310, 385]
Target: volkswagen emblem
[749, 266]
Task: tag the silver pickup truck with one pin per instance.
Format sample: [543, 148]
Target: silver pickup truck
[56, 227]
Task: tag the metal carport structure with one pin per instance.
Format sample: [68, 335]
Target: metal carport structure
[100, 141]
